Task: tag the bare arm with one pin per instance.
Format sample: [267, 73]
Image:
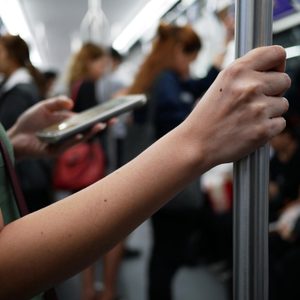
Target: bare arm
[239, 113]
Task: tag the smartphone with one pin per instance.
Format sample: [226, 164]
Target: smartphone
[86, 119]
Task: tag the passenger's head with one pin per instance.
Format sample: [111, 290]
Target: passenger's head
[50, 77]
[116, 57]
[14, 54]
[175, 48]
[88, 63]
[178, 46]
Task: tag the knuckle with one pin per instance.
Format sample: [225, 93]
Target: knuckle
[234, 70]
[285, 104]
[279, 52]
[244, 93]
[253, 88]
[288, 81]
[261, 133]
[259, 109]
[276, 126]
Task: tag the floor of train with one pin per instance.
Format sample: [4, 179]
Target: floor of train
[191, 283]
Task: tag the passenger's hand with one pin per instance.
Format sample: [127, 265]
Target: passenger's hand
[243, 108]
[40, 116]
[287, 221]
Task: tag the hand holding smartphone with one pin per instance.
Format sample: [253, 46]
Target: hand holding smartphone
[86, 119]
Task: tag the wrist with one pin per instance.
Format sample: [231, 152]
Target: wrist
[194, 149]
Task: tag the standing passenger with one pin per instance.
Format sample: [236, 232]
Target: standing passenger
[21, 88]
[166, 78]
[88, 66]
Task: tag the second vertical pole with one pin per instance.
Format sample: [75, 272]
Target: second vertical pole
[254, 19]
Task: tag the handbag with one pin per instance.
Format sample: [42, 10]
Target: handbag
[20, 200]
[79, 166]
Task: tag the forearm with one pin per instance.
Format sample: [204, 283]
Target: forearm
[62, 239]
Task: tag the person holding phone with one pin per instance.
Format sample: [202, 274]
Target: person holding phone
[50, 245]
[21, 88]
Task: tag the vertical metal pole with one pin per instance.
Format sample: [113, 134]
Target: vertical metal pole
[253, 29]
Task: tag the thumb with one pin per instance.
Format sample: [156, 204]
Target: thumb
[58, 103]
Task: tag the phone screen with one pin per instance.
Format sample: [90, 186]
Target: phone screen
[84, 120]
[89, 114]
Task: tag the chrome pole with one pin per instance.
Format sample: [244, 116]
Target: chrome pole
[254, 20]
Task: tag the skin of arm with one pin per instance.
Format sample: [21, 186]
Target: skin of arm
[240, 112]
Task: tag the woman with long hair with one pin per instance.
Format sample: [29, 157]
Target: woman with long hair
[87, 67]
[165, 77]
[21, 88]
[20, 77]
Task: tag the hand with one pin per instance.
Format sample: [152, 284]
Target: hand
[287, 221]
[273, 190]
[45, 113]
[242, 109]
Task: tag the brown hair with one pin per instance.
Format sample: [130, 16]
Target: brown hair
[18, 51]
[162, 54]
[79, 65]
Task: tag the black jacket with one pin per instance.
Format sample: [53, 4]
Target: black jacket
[34, 175]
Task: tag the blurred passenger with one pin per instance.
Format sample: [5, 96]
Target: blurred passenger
[165, 77]
[87, 67]
[284, 171]
[50, 77]
[109, 85]
[21, 88]
[285, 214]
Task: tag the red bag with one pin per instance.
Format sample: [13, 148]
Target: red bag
[79, 166]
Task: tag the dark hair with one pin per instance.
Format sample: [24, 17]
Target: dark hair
[50, 74]
[115, 54]
[18, 51]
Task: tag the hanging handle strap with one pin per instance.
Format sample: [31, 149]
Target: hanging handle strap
[20, 200]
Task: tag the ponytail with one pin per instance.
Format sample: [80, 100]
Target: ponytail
[37, 76]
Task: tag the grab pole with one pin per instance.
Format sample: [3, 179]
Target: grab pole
[254, 20]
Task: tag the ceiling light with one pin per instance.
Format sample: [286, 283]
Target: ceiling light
[146, 18]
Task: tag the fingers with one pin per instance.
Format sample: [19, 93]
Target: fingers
[276, 106]
[266, 59]
[79, 138]
[59, 103]
[276, 126]
[274, 83]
